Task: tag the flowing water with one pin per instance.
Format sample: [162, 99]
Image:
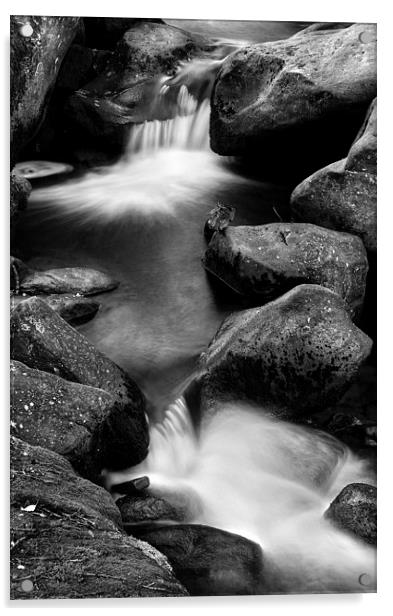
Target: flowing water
[142, 220]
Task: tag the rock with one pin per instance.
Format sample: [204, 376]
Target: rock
[323, 26]
[38, 46]
[294, 356]
[219, 219]
[207, 560]
[81, 280]
[126, 91]
[181, 506]
[41, 339]
[355, 510]
[263, 262]
[105, 32]
[74, 309]
[306, 94]
[20, 190]
[343, 195]
[18, 271]
[66, 537]
[70, 419]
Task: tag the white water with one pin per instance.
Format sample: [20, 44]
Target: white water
[269, 481]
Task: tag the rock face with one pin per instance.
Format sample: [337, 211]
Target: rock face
[41, 339]
[74, 528]
[355, 510]
[295, 355]
[209, 561]
[74, 309]
[38, 46]
[105, 32]
[343, 195]
[272, 99]
[263, 262]
[20, 190]
[81, 280]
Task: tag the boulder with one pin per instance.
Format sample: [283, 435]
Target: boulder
[38, 46]
[83, 280]
[176, 506]
[105, 32]
[263, 262]
[18, 271]
[75, 309]
[343, 195]
[305, 94]
[41, 339]
[207, 560]
[72, 420]
[20, 190]
[355, 510]
[66, 537]
[294, 356]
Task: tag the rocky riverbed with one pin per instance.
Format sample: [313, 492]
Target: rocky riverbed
[299, 341]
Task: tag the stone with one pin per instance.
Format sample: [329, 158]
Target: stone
[175, 506]
[38, 47]
[294, 356]
[219, 219]
[83, 280]
[66, 537]
[355, 510]
[306, 94]
[41, 339]
[105, 32]
[209, 561]
[75, 309]
[343, 195]
[263, 262]
[20, 190]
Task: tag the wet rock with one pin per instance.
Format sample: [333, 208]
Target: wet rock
[18, 271]
[180, 506]
[263, 262]
[41, 339]
[294, 356]
[105, 32]
[207, 560]
[20, 190]
[66, 536]
[343, 195]
[219, 219]
[68, 418]
[355, 510]
[74, 309]
[38, 46]
[304, 94]
[81, 280]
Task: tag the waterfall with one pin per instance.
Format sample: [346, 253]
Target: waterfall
[269, 481]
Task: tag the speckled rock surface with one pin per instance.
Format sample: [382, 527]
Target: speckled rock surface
[83, 280]
[75, 309]
[20, 190]
[263, 262]
[294, 356]
[74, 528]
[38, 46]
[343, 195]
[209, 561]
[276, 99]
[41, 339]
[355, 510]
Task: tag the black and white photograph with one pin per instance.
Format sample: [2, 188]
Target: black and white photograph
[193, 306]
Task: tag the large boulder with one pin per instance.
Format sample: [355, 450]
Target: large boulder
[355, 510]
[207, 560]
[38, 46]
[41, 339]
[83, 280]
[66, 537]
[306, 94]
[263, 262]
[75, 309]
[294, 356]
[71, 419]
[343, 195]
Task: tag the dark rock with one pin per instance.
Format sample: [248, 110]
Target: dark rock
[81, 280]
[38, 46]
[263, 262]
[68, 418]
[105, 32]
[355, 510]
[66, 537]
[18, 271]
[74, 309]
[20, 190]
[41, 339]
[304, 94]
[219, 219]
[181, 506]
[209, 561]
[294, 356]
[343, 195]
